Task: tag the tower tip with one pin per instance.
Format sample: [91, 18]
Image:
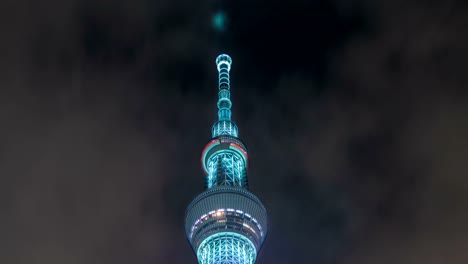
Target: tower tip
[223, 59]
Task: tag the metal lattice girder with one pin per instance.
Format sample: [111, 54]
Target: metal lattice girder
[226, 247]
[226, 168]
[225, 127]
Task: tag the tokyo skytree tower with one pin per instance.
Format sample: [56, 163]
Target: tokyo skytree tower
[226, 223]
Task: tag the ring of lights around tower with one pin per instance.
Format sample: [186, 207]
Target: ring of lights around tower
[221, 214]
[226, 247]
[226, 208]
[223, 143]
[223, 59]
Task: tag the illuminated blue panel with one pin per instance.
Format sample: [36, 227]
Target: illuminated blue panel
[226, 247]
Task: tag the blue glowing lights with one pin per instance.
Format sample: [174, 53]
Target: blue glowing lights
[226, 247]
[219, 21]
[226, 224]
[224, 126]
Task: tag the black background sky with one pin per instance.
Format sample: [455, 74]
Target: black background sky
[354, 113]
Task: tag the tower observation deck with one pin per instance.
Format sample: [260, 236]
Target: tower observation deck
[226, 223]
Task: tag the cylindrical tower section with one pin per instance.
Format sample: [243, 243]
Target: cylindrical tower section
[225, 162]
[226, 225]
[223, 63]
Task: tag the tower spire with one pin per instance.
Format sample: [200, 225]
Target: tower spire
[224, 126]
[223, 62]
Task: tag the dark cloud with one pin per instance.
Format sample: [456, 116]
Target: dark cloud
[353, 112]
[84, 152]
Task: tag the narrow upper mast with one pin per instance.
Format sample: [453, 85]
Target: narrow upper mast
[224, 126]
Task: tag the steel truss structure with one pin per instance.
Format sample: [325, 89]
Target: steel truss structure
[228, 248]
[226, 168]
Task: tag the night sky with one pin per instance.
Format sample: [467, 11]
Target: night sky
[355, 114]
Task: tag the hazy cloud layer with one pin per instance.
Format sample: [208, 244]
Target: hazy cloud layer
[358, 147]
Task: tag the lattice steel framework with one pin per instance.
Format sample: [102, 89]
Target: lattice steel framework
[226, 247]
[226, 223]
[226, 168]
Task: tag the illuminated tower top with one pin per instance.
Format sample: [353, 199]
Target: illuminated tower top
[224, 126]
